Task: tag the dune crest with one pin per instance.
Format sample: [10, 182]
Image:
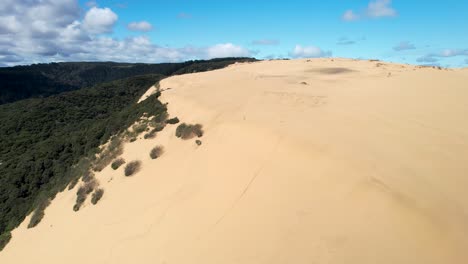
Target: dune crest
[302, 161]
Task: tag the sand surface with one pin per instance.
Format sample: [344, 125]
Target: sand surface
[321, 161]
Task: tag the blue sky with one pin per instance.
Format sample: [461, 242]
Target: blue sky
[417, 32]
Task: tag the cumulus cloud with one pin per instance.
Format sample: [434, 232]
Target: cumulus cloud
[308, 52]
[36, 31]
[265, 42]
[140, 26]
[375, 9]
[99, 20]
[227, 50]
[404, 45]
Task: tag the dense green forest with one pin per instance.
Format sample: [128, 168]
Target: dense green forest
[43, 139]
[42, 80]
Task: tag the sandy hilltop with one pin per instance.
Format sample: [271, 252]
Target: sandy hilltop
[302, 161]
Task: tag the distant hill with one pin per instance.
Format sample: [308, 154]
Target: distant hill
[42, 80]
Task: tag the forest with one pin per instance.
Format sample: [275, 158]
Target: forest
[42, 80]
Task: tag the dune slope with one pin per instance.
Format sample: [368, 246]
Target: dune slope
[302, 161]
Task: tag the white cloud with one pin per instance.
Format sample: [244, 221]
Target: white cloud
[404, 45]
[375, 9]
[380, 8]
[140, 26]
[265, 42]
[59, 33]
[99, 20]
[349, 15]
[309, 52]
[184, 15]
[226, 50]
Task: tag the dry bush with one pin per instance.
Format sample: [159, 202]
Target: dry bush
[132, 167]
[83, 192]
[38, 214]
[185, 131]
[198, 142]
[156, 152]
[97, 195]
[117, 163]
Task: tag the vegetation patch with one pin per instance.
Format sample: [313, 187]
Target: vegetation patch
[83, 192]
[132, 168]
[172, 121]
[156, 152]
[185, 131]
[4, 239]
[117, 163]
[38, 214]
[97, 195]
[112, 150]
[198, 142]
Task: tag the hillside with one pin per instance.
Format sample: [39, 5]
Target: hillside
[42, 80]
[301, 161]
[47, 142]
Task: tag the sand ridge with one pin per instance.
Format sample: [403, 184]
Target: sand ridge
[302, 161]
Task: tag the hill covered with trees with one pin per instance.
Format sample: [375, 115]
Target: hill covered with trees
[42, 80]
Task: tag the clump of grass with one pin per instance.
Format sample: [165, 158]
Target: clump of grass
[150, 135]
[132, 167]
[38, 214]
[117, 163]
[83, 192]
[186, 131]
[156, 152]
[4, 239]
[97, 195]
[198, 142]
[172, 121]
[133, 139]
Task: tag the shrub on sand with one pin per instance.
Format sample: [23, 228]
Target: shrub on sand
[156, 152]
[83, 192]
[117, 163]
[185, 131]
[132, 168]
[172, 121]
[97, 195]
[38, 214]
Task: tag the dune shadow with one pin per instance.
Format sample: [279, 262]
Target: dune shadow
[335, 70]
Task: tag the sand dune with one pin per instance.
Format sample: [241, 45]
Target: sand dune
[302, 161]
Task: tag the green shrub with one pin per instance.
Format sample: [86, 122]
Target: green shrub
[198, 142]
[133, 139]
[117, 163]
[172, 121]
[150, 135]
[139, 128]
[38, 214]
[132, 168]
[185, 131]
[97, 195]
[4, 239]
[156, 152]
